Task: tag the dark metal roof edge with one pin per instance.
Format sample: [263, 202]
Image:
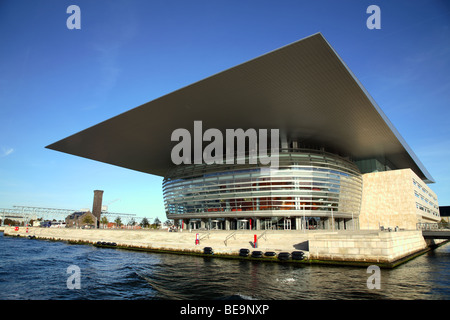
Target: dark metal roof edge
[414, 158]
[52, 146]
[429, 178]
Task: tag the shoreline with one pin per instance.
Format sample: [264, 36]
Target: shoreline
[345, 248]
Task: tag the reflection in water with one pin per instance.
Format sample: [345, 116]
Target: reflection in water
[120, 274]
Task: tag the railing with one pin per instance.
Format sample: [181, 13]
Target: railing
[432, 226]
[231, 235]
[263, 235]
[204, 236]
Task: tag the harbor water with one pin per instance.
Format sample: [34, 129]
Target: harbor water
[44, 270]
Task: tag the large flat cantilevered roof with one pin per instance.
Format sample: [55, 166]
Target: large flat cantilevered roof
[304, 89]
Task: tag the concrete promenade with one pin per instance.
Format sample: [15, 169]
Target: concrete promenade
[340, 247]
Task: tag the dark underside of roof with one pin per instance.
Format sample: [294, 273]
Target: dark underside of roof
[304, 89]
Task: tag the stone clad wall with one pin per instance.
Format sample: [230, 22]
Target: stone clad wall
[388, 200]
[348, 246]
[382, 247]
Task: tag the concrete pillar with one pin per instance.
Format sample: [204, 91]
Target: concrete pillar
[327, 223]
[227, 223]
[349, 224]
[352, 224]
[332, 224]
[258, 224]
[298, 223]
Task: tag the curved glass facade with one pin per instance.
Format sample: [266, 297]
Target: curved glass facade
[307, 183]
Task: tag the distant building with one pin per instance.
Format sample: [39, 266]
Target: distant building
[111, 225]
[81, 219]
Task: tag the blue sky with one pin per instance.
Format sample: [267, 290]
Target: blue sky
[55, 82]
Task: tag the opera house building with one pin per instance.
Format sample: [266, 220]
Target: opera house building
[341, 164]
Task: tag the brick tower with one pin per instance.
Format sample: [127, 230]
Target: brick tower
[97, 205]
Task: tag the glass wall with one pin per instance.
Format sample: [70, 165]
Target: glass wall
[307, 183]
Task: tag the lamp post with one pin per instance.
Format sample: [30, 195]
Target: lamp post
[332, 219]
[304, 219]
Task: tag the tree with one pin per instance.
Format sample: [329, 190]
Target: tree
[11, 222]
[144, 223]
[88, 219]
[104, 221]
[118, 221]
[156, 223]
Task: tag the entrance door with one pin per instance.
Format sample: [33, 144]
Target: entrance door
[287, 224]
[242, 224]
[268, 224]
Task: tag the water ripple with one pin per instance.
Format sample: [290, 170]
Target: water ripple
[36, 269]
